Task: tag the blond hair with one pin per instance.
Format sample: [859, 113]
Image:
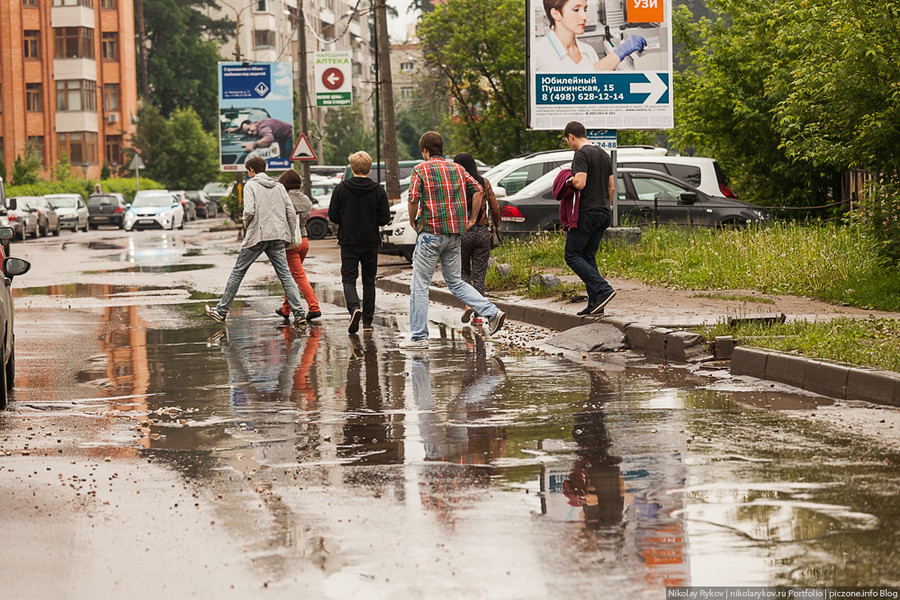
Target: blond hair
[360, 163]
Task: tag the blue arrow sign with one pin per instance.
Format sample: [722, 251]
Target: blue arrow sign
[251, 81]
[647, 88]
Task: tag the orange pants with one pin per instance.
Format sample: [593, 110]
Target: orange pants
[295, 259]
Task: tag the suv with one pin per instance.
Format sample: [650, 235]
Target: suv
[705, 174]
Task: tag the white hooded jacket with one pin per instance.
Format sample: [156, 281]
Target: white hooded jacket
[269, 214]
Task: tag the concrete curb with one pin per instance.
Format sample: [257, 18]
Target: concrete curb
[835, 380]
[841, 381]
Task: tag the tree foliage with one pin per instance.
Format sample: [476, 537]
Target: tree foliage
[176, 151]
[344, 133]
[183, 54]
[478, 49]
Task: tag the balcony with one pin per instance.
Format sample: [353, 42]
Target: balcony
[72, 16]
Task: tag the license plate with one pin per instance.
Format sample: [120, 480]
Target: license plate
[101, 218]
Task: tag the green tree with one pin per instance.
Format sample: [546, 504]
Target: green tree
[26, 169]
[193, 152]
[152, 137]
[344, 134]
[182, 57]
[426, 111]
[478, 48]
[62, 170]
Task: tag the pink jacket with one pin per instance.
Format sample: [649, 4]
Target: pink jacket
[569, 199]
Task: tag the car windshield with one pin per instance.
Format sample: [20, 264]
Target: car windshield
[192, 195]
[101, 200]
[63, 202]
[27, 203]
[155, 200]
[213, 188]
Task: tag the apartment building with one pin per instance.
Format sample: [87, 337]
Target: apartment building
[266, 31]
[67, 81]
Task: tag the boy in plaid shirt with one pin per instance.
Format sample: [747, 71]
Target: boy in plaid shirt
[437, 210]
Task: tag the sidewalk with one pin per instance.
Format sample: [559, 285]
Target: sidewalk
[652, 321]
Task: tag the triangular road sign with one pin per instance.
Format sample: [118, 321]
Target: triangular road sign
[136, 163]
[303, 150]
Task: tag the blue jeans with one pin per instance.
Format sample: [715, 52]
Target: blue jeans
[246, 257]
[582, 244]
[431, 248]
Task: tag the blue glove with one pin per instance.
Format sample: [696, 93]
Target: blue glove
[634, 43]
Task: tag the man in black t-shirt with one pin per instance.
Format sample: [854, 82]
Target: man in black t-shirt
[592, 175]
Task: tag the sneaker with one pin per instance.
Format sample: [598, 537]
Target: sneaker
[590, 309]
[497, 322]
[282, 314]
[214, 314]
[219, 338]
[467, 314]
[300, 318]
[354, 321]
[315, 314]
[602, 301]
[414, 344]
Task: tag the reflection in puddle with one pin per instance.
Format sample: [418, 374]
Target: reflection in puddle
[86, 290]
[153, 269]
[528, 470]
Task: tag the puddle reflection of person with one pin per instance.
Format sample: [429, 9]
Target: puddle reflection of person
[561, 52]
[596, 483]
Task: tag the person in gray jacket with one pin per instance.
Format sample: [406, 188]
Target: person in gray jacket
[269, 219]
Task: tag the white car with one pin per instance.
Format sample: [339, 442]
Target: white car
[697, 171]
[154, 208]
[72, 211]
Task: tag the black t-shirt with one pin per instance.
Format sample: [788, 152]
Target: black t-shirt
[596, 163]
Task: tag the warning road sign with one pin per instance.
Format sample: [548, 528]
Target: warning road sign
[303, 150]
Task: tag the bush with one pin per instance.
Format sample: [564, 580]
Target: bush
[125, 186]
[880, 215]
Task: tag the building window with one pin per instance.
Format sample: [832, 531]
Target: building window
[87, 3]
[33, 97]
[35, 147]
[32, 43]
[114, 151]
[80, 146]
[110, 97]
[109, 45]
[76, 95]
[408, 66]
[31, 3]
[108, 4]
[262, 6]
[406, 92]
[263, 38]
[74, 42]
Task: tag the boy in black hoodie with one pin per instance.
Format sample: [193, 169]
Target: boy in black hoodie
[359, 206]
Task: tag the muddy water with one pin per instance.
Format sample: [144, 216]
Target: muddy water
[464, 471]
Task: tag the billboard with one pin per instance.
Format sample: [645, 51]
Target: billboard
[334, 76]
[256, 114]
[604, 63]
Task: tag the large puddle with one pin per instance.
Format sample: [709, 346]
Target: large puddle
[471, 468]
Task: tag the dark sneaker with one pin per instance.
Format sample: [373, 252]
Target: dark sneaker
[586, 310]
[313, 315]
[353, 327]
[602, 301]
[212, 313]
[467, 314]
[282, 314]
[497, 322]
[368, 327]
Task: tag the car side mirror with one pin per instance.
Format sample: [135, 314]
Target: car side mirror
[11, 204]
[7, 233]
[688, 198]
[13, 265]
[499, 192]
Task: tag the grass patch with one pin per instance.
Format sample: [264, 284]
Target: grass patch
[735, 298]
[869, 342]
[834, 263]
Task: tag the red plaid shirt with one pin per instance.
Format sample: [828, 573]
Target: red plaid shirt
[439, 187]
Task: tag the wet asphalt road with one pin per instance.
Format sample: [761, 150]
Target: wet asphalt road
[148, 450]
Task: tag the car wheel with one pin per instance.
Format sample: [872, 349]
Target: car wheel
[11, 368]
[36, 232]
[4, 391]
[58, 229]
[317, 229]
[43, 231]
[92, 226]
[181, 225]
[20, 234]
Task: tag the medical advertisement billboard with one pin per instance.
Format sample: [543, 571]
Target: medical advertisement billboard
[604, 63]
[256, 114]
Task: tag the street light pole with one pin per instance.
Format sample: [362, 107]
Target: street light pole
[384, 86]
[302, 89]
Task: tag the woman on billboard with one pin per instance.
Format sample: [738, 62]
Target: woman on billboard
[561, 52]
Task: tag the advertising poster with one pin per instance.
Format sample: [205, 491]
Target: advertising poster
[256, 114]
[333, 71]
[604, 63]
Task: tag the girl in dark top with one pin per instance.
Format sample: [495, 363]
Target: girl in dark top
[475, 244]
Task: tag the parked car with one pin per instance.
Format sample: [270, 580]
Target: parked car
[643, 197]
[23, 221]
[47, 218]
[154, 209]
[318, 226]
[12, 267]
[106, 209]
[190, 209]
[72, 210]
[217, 192]
[700, 172]
[397, 237]
[4, 216]
[203, 206]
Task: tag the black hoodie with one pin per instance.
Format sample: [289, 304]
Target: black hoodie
[359, 206]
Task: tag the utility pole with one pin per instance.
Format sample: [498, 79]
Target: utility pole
[303, 90]
[383, 57]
